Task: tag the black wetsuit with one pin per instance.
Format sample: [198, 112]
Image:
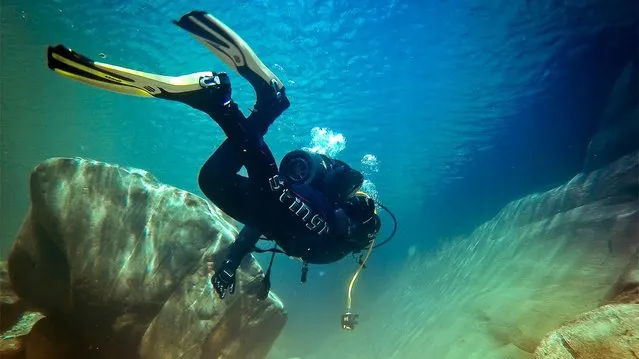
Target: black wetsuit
[302, 221]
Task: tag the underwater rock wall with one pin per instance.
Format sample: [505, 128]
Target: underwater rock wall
[552, 275]
[538, 271]
[608, 332]
[618, 132]
[120, 266]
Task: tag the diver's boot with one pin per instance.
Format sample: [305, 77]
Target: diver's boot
[229, 47]
[215, 100]
[267, 108]
[214, 96]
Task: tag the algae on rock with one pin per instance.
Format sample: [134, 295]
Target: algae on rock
[123, 262]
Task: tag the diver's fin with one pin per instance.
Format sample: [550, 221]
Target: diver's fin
[229, 47]
[122, 80]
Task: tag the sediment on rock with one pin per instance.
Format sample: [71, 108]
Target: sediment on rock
[608, 332]
[121, 261]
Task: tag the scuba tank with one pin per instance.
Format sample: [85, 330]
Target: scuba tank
[303, 167]
[336, 179]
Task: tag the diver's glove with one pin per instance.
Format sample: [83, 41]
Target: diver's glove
[363, 233]
[365, 223]
[360, 208]
[224, 278]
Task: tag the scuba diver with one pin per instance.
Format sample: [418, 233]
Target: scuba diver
[311, 205]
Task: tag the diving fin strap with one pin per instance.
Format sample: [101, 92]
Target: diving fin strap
[229, 47]
[78, 67]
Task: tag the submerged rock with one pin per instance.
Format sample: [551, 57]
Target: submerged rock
[511, 351]
[614, 141]
[626, 289]
[542, 261]
[600, 198]
[618, 133]
[21, 329]
[608, 332]
[123, 262]
[11, 307]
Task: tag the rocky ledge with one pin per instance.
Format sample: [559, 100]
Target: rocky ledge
[111, 263]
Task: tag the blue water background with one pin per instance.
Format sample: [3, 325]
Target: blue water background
[466, 104]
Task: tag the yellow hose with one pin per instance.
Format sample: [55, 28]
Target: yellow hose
[350, 286]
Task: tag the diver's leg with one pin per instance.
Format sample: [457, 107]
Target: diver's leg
[220, 182]
[241, 198]
[253, 153]
[229, 47]
[219, 179]
[235, 52]
[247, 134]
[215, 100]
[270, 104]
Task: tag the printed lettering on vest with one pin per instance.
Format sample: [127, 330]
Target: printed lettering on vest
[313, 221]
[275, 183]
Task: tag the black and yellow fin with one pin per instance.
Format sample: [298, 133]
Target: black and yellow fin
[119, 79]
[229, 47]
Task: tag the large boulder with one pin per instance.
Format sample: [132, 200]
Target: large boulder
[11, 307]
[626, 288]
[27, 333]
[607, 198]
[608, 332]
[123, 263]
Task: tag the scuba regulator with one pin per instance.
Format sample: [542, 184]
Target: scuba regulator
[349, 320]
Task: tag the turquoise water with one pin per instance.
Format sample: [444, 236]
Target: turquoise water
[452, 109]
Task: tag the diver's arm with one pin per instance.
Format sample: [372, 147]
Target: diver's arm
[341, 225]
[363, 233]
[363, 221]
[244, 244]
[224, 277]
[355, 231]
